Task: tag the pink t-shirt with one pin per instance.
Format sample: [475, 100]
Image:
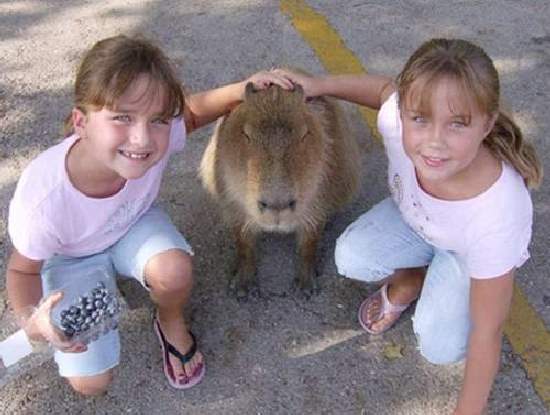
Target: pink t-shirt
[48, 215]
[490, 232]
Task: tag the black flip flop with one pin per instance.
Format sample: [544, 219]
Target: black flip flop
[167, 349]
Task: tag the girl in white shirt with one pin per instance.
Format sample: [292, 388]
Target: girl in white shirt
[89, 202]
[458, 223]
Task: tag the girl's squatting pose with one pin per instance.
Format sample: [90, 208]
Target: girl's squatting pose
[90, 200]
[459, 221]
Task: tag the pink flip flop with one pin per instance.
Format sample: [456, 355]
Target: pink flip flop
[167, 349]
[386, 308]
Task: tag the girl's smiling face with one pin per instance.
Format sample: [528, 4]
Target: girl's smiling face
[444, 140]
[126, 141]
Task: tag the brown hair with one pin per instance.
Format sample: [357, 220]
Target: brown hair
[478, 78]
[112, 64]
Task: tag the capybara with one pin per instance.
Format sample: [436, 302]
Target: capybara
[280, 163]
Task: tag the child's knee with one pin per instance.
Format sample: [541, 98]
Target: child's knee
[439, 347]
[438, 355]
[353, 261]
[169, 271]
[91, 385]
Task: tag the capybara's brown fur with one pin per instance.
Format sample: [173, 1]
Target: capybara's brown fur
[279, 163]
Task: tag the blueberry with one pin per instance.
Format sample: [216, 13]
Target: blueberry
[69, 332]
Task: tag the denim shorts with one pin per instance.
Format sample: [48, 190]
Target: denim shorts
[152, 234]
[380, 242]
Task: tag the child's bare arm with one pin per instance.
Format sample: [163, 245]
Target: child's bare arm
[490, 301]
[365, 89]
[23, 283]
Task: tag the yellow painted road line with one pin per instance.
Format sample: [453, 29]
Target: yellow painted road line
[328, 46]
[525, 330]
[530, 339]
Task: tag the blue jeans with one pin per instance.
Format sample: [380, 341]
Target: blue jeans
[152, 234]
[380, 242]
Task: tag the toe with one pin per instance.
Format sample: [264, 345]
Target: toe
[184, 373]
[372, 311]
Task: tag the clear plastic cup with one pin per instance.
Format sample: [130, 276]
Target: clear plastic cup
[90, 305]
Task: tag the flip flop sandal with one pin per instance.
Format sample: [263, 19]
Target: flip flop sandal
[167, 349]
[386, 308]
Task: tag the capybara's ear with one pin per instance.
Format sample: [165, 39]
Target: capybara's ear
[298, 93]
[249, 90]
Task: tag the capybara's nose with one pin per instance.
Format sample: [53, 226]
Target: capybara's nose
[276, 205]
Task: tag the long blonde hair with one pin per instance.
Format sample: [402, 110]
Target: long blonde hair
[112, 64]
[474, 71]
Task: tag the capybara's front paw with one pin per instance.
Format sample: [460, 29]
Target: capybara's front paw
[306, 283]
[243, 284]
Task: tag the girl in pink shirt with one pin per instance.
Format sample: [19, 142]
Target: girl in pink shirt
[88, 201]
[458, 222]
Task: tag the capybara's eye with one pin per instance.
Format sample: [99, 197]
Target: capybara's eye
[247, 132]
[248, 139]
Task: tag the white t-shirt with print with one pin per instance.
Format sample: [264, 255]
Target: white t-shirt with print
[48, 215]
[490, 232]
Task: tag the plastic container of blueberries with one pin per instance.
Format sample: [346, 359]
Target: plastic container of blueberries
[90, 306]
[18, 356]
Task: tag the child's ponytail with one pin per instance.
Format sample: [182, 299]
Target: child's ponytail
[68, 128]
[507, 143]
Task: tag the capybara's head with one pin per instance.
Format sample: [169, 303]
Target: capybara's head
[272, 149]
